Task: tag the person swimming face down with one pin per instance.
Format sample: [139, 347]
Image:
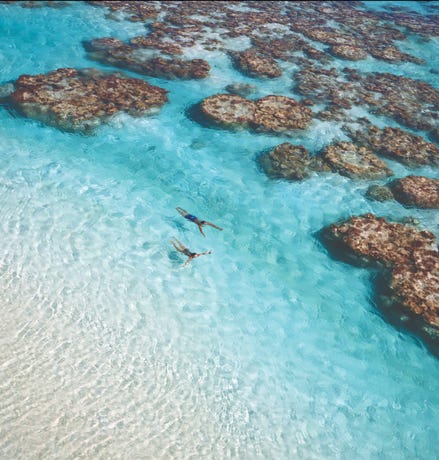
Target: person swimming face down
[180, 247]
[195, 220]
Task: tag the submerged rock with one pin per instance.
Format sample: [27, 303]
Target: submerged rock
[284, 47]
[409, 262]
[355, 162]
[255, 64]
[393, 54]
[228, 111]
[397, 144]
[328, 36]
[149, 42]
[294, 162]
[410, 102]
[288, 161]
[379, 193]
[139, 58]
[6, 90]
[417, 108]
[417, 191]
[275, 29]
[133, 11]
[280, 114]
[81, 100]
[434, 134]
[410, 220]
[353, 53]
[272, 114]
[41, 3]
[241, 89]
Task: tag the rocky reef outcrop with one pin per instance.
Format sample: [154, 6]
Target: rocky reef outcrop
[416, 191]
[355, 162]
[411, 191]
[241, 89]
[380, 93]
[41, 3]
[395, 143]
[350, 52]
[295, 163]
[280, 114]
[408, 260]
[271, 114]
[393, 54]
[434, 134]
[424, 25]
[286, 47]
[137, 56]
[379, 193]
[255, 64]
[133, 11]
[228, 111]
[80, 100]
[287, 161]
[274, 28]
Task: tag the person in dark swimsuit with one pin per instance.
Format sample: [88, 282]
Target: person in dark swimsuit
[180, 247]
[197, 221]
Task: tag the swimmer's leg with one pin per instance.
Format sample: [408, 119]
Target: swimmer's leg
[182, 211]
[177, 245]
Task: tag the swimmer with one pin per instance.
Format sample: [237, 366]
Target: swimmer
[197, 221]
[180, 247]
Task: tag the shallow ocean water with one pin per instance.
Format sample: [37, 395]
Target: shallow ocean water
[268, 348]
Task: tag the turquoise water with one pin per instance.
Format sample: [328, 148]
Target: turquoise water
[267, 348]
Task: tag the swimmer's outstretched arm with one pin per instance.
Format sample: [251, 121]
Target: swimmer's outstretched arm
[201, 254]
[195, 256]
[188, 260]
[200, 226]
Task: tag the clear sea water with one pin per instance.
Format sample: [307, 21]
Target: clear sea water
[266, 349]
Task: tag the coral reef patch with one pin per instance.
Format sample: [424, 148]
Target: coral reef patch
[287, 161]
[295, 163]
[355, 162]
[378, 92]
[255, 64]
[138, 57]
[271, 114]
[416, 191]
[408, 260]
[395, 143]
[80, 100]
